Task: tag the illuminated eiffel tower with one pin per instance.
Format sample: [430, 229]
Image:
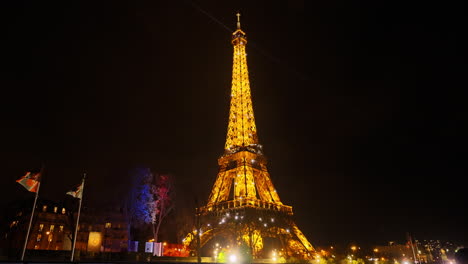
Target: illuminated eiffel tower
[244, 208]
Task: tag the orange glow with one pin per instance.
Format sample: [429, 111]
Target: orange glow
[94, 241]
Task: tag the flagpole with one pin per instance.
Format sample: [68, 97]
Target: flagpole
[30, 221]
[77, 219]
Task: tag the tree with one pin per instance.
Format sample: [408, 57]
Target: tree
[163, 195]
[139, 203]
[149, 201]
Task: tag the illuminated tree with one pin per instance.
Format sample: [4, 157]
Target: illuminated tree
[140, 203]
[222, 256]
[162, 204]
[149, 201]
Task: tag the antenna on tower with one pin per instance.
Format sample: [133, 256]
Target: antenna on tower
[238, 20]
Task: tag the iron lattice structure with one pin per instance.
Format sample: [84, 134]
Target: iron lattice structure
[244, 207]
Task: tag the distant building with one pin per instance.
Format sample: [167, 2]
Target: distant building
[438, 250]
[395, 251]
[425, 251]
[103, 230]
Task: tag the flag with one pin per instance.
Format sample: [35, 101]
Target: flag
[30, 181]
[78, 192]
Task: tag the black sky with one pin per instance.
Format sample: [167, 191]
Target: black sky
[360, 107]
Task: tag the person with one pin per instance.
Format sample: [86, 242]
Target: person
[461, 256]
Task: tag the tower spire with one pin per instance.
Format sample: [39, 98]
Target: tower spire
[242, 132]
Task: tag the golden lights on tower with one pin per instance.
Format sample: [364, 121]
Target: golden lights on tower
[243, 192]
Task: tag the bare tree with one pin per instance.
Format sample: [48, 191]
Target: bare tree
[149, 201]
[163, 203]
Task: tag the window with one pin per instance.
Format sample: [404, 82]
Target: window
[61, 228]
[52, 228]
[39, 236]
[108, 225]
[63, 210]
[44, 208]
[41, 226]
[55, 209]
[36, 246]
[14, 223]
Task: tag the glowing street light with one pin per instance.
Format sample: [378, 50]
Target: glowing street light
[232, 258]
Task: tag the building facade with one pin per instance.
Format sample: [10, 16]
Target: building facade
[52, 228]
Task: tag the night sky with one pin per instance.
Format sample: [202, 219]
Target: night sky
[360, 106]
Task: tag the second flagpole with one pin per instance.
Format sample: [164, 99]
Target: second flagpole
[77, 220]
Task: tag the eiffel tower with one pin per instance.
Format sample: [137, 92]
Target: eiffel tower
[244, 207]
